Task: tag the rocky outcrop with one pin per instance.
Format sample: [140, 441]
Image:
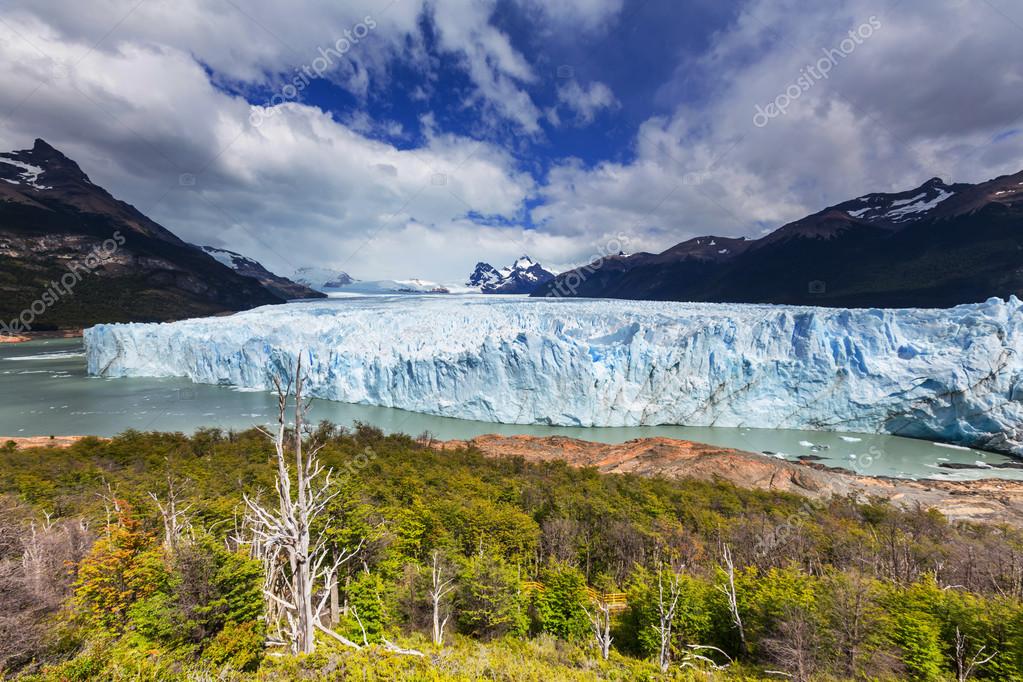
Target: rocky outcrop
[989, 501]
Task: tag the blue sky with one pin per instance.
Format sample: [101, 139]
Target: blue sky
[637, 57]
[452, 131]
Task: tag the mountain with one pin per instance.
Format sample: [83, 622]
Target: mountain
[395, 286]
[485, 275]
[321, 278]
[937, 245]
[246, 267]
[523, 277]
[72, 255]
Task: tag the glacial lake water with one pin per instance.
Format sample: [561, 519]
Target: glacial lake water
[45, 390]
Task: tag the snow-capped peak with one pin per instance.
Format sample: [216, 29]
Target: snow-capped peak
[484, 275]
[522, 277]
[523, 263]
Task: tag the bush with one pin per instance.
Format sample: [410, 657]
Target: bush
[238, 645]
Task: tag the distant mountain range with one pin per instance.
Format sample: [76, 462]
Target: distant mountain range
[395, 286]
[72, 255]
[246, 267]
[328, 280]
[938, 245]
[523, 277]
[321, 278]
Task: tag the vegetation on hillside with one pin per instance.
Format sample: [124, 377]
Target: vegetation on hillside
[132, 559]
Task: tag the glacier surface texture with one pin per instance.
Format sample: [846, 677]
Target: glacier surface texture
[952, 375]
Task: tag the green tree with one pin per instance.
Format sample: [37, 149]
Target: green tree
[560, 606]
[918, 636]
[209, 588]
[369, 607]
[489, 601]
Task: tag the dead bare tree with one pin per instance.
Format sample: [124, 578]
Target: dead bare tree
[733, 600]
[176, 518]
[439, 588]
[34, 579]
[600, 624]
[965, 667]
[669, 589]
[692, 658]
[294, 561]
[111, 505]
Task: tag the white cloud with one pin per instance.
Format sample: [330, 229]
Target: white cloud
[264, 42]
[300, 188]
[585, 102]
[138, 108]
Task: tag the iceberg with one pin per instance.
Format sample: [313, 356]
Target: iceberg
[954, 376]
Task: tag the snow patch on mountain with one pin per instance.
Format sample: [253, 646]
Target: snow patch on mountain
[952, 375]
[919, 204]
[231, 259]
[902, 207]
[29, 174]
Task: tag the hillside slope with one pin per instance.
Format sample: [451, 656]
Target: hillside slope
[72, 255]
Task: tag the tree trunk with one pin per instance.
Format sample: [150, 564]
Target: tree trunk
[304, 589]
[438, 636]
[335, 611]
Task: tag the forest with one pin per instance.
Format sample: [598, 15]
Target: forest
[162, 556]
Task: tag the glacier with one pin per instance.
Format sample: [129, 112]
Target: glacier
[954, 376]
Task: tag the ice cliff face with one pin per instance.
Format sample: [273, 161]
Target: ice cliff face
[953, 375]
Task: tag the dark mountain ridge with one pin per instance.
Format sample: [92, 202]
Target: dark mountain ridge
[937, 245]
[72, 255]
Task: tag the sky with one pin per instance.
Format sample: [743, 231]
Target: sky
[412, 138]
